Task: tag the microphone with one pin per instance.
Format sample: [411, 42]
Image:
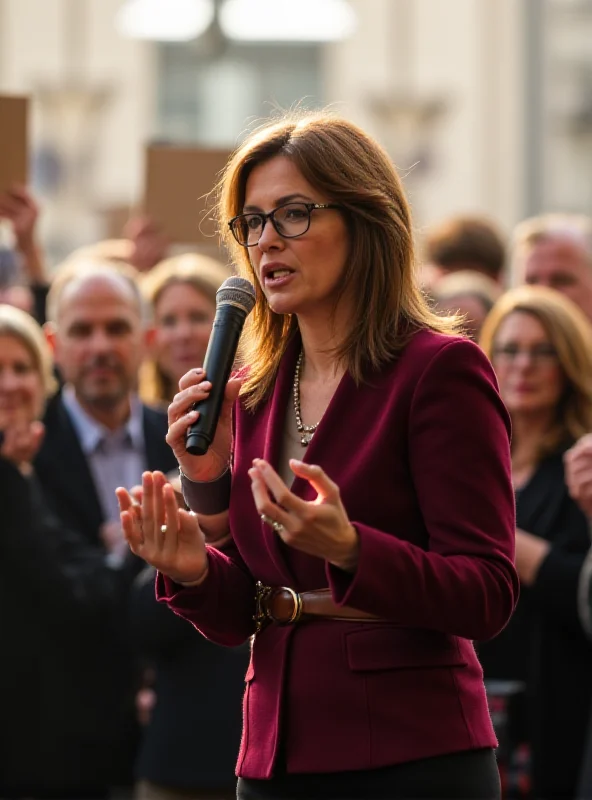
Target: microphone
[234, 302]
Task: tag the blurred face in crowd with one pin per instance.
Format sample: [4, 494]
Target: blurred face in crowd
[530, 378]
[21, 385]
[561, 263]
[99, 339]
[297, 275]
[471, 307]
[183, 319]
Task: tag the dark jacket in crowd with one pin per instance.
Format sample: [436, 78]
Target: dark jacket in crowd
[64, 472]
[544, 645]
[64, 667]
[193, 736]
[65, 476]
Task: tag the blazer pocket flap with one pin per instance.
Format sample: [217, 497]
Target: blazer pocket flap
[401, 648]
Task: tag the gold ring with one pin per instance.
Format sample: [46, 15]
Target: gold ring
[163, 528]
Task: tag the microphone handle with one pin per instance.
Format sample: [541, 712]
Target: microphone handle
[222, 347]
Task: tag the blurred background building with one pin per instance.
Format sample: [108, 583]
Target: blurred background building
[484, 105]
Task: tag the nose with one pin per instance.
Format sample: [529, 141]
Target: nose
[269, 238]
[100, 341]
[183, 330]
[523, 359]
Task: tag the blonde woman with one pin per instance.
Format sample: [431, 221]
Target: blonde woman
[540, 345]
[63, 672]
[182, 294]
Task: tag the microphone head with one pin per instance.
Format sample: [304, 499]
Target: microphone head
[237, 292]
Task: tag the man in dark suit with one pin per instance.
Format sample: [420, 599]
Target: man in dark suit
[100, 436]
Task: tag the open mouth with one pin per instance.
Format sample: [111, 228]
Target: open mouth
[278, 274]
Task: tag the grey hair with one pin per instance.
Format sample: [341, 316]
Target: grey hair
[81, 270]
[531, 231]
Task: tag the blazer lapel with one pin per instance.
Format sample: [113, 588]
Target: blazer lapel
[274, 434]
[328, 430]
[63, 468]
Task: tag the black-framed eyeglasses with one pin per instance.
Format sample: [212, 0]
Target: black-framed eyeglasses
[290, 220]
[540, 354]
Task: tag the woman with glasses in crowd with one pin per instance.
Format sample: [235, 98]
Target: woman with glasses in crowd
[356, 503]
[540, 345]
[181, 291]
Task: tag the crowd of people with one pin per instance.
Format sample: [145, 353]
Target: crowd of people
[457, 557]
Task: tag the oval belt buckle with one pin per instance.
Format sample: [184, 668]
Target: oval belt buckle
[297, 599]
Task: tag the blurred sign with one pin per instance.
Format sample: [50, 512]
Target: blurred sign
[14, 143]
[179, 193]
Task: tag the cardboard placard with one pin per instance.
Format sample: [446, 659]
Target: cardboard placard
[178, 191]
[14, 143]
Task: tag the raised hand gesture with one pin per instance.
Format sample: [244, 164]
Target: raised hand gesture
[161, 533]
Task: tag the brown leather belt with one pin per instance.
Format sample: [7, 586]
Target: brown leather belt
[284, 606]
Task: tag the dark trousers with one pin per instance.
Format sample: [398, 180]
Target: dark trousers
[469, 775]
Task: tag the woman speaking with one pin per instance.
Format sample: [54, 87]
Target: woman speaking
[355, 512]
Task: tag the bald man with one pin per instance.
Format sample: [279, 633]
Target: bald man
[555, 250]
[98, 434]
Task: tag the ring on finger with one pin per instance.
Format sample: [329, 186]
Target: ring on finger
[163, 528]
[277, 526]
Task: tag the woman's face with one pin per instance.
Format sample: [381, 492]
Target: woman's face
[530, 377]
[300, 275]
[21, 386]
[183, 321]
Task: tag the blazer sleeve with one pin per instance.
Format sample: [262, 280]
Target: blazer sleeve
[464, 582]
[223, 606]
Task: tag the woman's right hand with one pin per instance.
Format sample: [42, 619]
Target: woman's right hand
[162, 534]
[21, 441]
[194, 388]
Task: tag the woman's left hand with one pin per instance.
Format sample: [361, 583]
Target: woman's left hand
[320, 528]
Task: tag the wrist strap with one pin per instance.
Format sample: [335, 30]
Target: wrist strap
[207, 497]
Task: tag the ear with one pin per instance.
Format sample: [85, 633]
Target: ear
[49, 329]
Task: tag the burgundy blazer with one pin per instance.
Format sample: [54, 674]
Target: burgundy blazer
[421, 455]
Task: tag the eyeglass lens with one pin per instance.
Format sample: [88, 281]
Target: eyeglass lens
[290, 220]
[538, 353]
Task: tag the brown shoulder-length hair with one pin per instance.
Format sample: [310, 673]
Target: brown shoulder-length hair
[204, 274]
[570, 333]
[349, 168]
